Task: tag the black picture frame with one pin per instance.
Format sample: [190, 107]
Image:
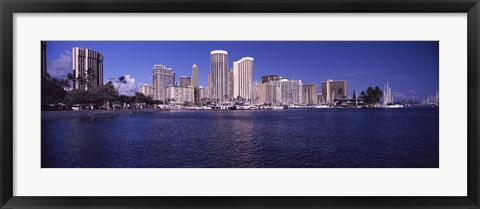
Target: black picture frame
[10, 7]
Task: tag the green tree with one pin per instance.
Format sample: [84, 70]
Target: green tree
[372, 95]
[76, 96]
[340, 93]
[90, 78]
[106, 94]
[140, 97]
[51, 93]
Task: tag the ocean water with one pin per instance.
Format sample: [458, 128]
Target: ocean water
[294, 138]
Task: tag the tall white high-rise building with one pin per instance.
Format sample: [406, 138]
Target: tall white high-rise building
[163, 77]
[195, 76]
[218, 75]
[87, 68]
[243, 78]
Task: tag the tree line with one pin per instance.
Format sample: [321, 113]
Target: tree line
[54, 96]
[371, 96]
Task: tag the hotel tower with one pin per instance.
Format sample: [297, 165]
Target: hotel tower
[218, 74]
[87, 68]
[243, 78]
[195, 76]
[163, 77]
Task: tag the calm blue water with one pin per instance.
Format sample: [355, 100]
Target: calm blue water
[299, 138]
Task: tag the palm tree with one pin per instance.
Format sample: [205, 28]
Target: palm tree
[70, 77]
[90, 78]
[81, 81]
[121, 80]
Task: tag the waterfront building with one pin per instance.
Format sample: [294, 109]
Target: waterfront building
[277, 91]
[180, 95]
[269, 78]
[333, 90]
[147, 90]
[309, 94]
[266, 93]
[291, 91]
[202, 93]
[320, 99]
[44, 59]
[243, 78]
[209, 85]
[185, 81]
[163, 77]
[196, 95]
[230, 84]
[87, 68]
[218, 75]
[195, 76]
[207, 94]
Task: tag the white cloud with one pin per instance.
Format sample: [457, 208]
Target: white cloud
[129, 88]
[61, 66]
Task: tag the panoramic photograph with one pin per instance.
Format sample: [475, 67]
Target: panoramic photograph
[239, 104]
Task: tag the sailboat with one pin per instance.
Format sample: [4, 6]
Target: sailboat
[388, 99]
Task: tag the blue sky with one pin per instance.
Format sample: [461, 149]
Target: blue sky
[410, 67]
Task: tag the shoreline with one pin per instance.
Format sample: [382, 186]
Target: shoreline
[96, 113]
[93, 113]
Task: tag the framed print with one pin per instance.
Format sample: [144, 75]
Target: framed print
[265, 104]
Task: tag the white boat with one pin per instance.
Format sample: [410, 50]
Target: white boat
[293, 106]
[394, 106]
[322, 106]
[390, 106]
[277, 107]
[388, 98]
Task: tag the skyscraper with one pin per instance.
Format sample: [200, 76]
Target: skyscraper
[163, 78]
[309, 94]
[195, 76]
[87, 68]
[44, 59]
[243, 78]
[185, 81]
[218, 74]
[332, 90]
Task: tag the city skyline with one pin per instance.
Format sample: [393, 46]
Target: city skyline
[339, 60]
